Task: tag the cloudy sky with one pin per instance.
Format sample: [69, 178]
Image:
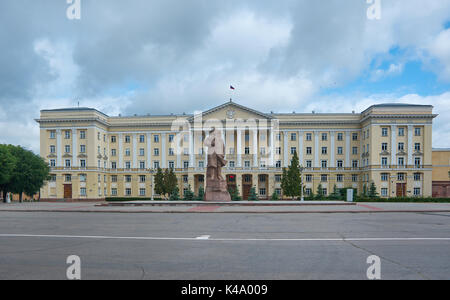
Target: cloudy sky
[163, 56]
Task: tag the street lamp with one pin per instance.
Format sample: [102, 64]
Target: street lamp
[301, 183]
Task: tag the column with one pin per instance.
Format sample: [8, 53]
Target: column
[300, 147]
[316, 150]
[74, 148]
[410, 145]
[149, 152]
[239, 148]
[134, 151]
[347, 149]
[191, 149]
[255, 148]
[163, 151]
[333, 149]
[272, 148]
[58, 148]
[393, 144]
[120, 151]
[285, 149]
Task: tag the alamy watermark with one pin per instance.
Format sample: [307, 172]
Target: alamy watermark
[374, 10]
[374, 270]
[74, 10]
[74, 270]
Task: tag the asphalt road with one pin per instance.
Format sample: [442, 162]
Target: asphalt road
[35, 245]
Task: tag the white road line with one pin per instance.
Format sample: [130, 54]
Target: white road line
[222, 239]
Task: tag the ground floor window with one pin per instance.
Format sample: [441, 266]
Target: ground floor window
[417, 192]
[278, 192]
[262, 191]
[141, 192]
[384, 192]
[128, 192]
[82, 192]
[308, 192]
[114, 192]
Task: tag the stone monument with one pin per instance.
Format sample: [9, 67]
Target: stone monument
[216, 185]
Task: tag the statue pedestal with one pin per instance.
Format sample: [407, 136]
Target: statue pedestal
[217, 191]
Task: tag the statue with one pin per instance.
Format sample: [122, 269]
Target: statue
[216, 185]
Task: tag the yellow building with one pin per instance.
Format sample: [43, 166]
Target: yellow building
[441, 173]
[93, 156]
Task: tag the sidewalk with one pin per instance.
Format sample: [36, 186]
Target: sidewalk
[198, 207]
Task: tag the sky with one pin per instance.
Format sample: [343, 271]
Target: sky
[174, 56]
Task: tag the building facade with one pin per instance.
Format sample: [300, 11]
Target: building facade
[441, 173]
[93, 156]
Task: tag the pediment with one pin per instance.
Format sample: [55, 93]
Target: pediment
[232, 111]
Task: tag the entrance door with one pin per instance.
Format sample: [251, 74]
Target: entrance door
[67, 191]
[247, 184]
[401, 189]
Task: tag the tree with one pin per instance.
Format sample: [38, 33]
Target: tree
[319, 191]
[7, 163]
[234, 193]
[29, 173]
[336, 194]
[201, 193]
[291, 181]
[188, 195]
[274, 196]
[253, 196]
[174, 194]
[159, 183]
[373, 191]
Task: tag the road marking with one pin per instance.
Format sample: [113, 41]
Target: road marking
[370, 207]
[205, 237]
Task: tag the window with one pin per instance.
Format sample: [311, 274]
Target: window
[98, 136]
[278, 164]
[262, 191]
[171, 137]
[324, 164]
[142, 165]
[401, 161]
[52, 149]
[340, 150]
[324, 137]
[113, 192]
[171, 152]
[384, 177]
[82, 148]
[401, 131]
[113, 139]
[417, 131]
[128, 192]
[340, 137]
[142, 178]
[185, 164]
[247, 150]
[277, 178]
[324, 150]
[68, 178]
[142, 138]
[114, 178]
[83, 163]
[67, 163]
[384, 132]
[401, 146]
[231, 164]
[83, 191]
[156, 164]
[417, 147]
[278, 150]
[308, 192]
[354, 178]
[113, 165]
[339, 178]
[308, 150]
[384, 192]
[355, 136]
[141, 152]
[355, 150]
[127, 178]
[156, 151]
[293, 150]
[355, 164]
[52, 177]
[401, 176]
[293, 136]
[340, 164]
[323, 178]
[82, 135]
[384, 146]
[67, 149]
[83, 177]
[171, 165]
[127, 165]
[417, 192]
[417, 176]
[127, 139]
[308, 178]
[309, 164]
[278, 192]
[384, 161]
[142, 192]
[127, 152]
[52, 134]
[67, 134]
[417, 162]
[201, 164]
[247, 164]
